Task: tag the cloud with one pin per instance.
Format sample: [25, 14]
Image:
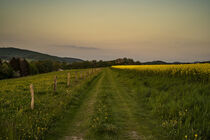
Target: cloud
[77, 47]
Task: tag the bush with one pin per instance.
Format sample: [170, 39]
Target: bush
[5, 71]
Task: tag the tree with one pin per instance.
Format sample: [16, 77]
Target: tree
[15, 64]
[138, 63]
[5, 71]
[33, 68]
[44, 66]
[24, 67]
[64, 65]
[56, 65]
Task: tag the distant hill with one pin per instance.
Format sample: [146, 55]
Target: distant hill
[158, 62]
[8, 53]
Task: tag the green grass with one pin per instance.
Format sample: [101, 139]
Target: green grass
[181, 105]
[102, 122]
[75, 113]
[135, 121]
[16, 117]
[91, 119]
[111, 105]
[115, 113]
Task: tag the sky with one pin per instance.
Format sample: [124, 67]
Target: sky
[145, 30]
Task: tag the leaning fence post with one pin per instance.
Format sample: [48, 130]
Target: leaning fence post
[32, 96]
[68, 79]
[55, 83]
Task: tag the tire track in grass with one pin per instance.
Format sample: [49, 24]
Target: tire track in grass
[103, 126]
[126, 106]
[78, 128]
[136, 121]
[123, 113]
[126, 117]
[75, 119]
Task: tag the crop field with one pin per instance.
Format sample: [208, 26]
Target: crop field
[129, 102]
[198, 72]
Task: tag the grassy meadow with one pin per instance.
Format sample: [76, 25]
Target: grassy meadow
[146, 102]
[16, 116]
[176, 94]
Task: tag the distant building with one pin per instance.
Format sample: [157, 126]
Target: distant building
[60, 69]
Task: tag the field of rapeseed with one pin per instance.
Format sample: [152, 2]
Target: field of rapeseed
[198, 72]
[178, 95]
[18, 121]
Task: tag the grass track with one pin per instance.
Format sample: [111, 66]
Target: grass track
[75, 121]
[111, 105]
[131, 121]
[134, 119]
[80, 123]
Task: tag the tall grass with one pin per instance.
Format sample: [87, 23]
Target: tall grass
[182, 105]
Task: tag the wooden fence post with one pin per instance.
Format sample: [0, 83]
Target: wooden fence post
[68, 79]
[80, 75]
[32, 96]
[55, 83]
[75, 76]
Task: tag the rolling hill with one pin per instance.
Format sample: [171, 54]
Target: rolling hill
[8, 53]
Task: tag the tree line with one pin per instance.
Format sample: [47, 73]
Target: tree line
[19, 67]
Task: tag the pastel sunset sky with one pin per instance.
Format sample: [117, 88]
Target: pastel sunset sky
[145, 30]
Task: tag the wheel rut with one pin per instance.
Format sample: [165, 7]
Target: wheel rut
[80, 124]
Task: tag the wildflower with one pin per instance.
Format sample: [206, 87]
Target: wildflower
[185, 136]
[196, 135]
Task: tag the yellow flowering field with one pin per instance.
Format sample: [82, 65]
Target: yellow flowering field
[192, 71]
